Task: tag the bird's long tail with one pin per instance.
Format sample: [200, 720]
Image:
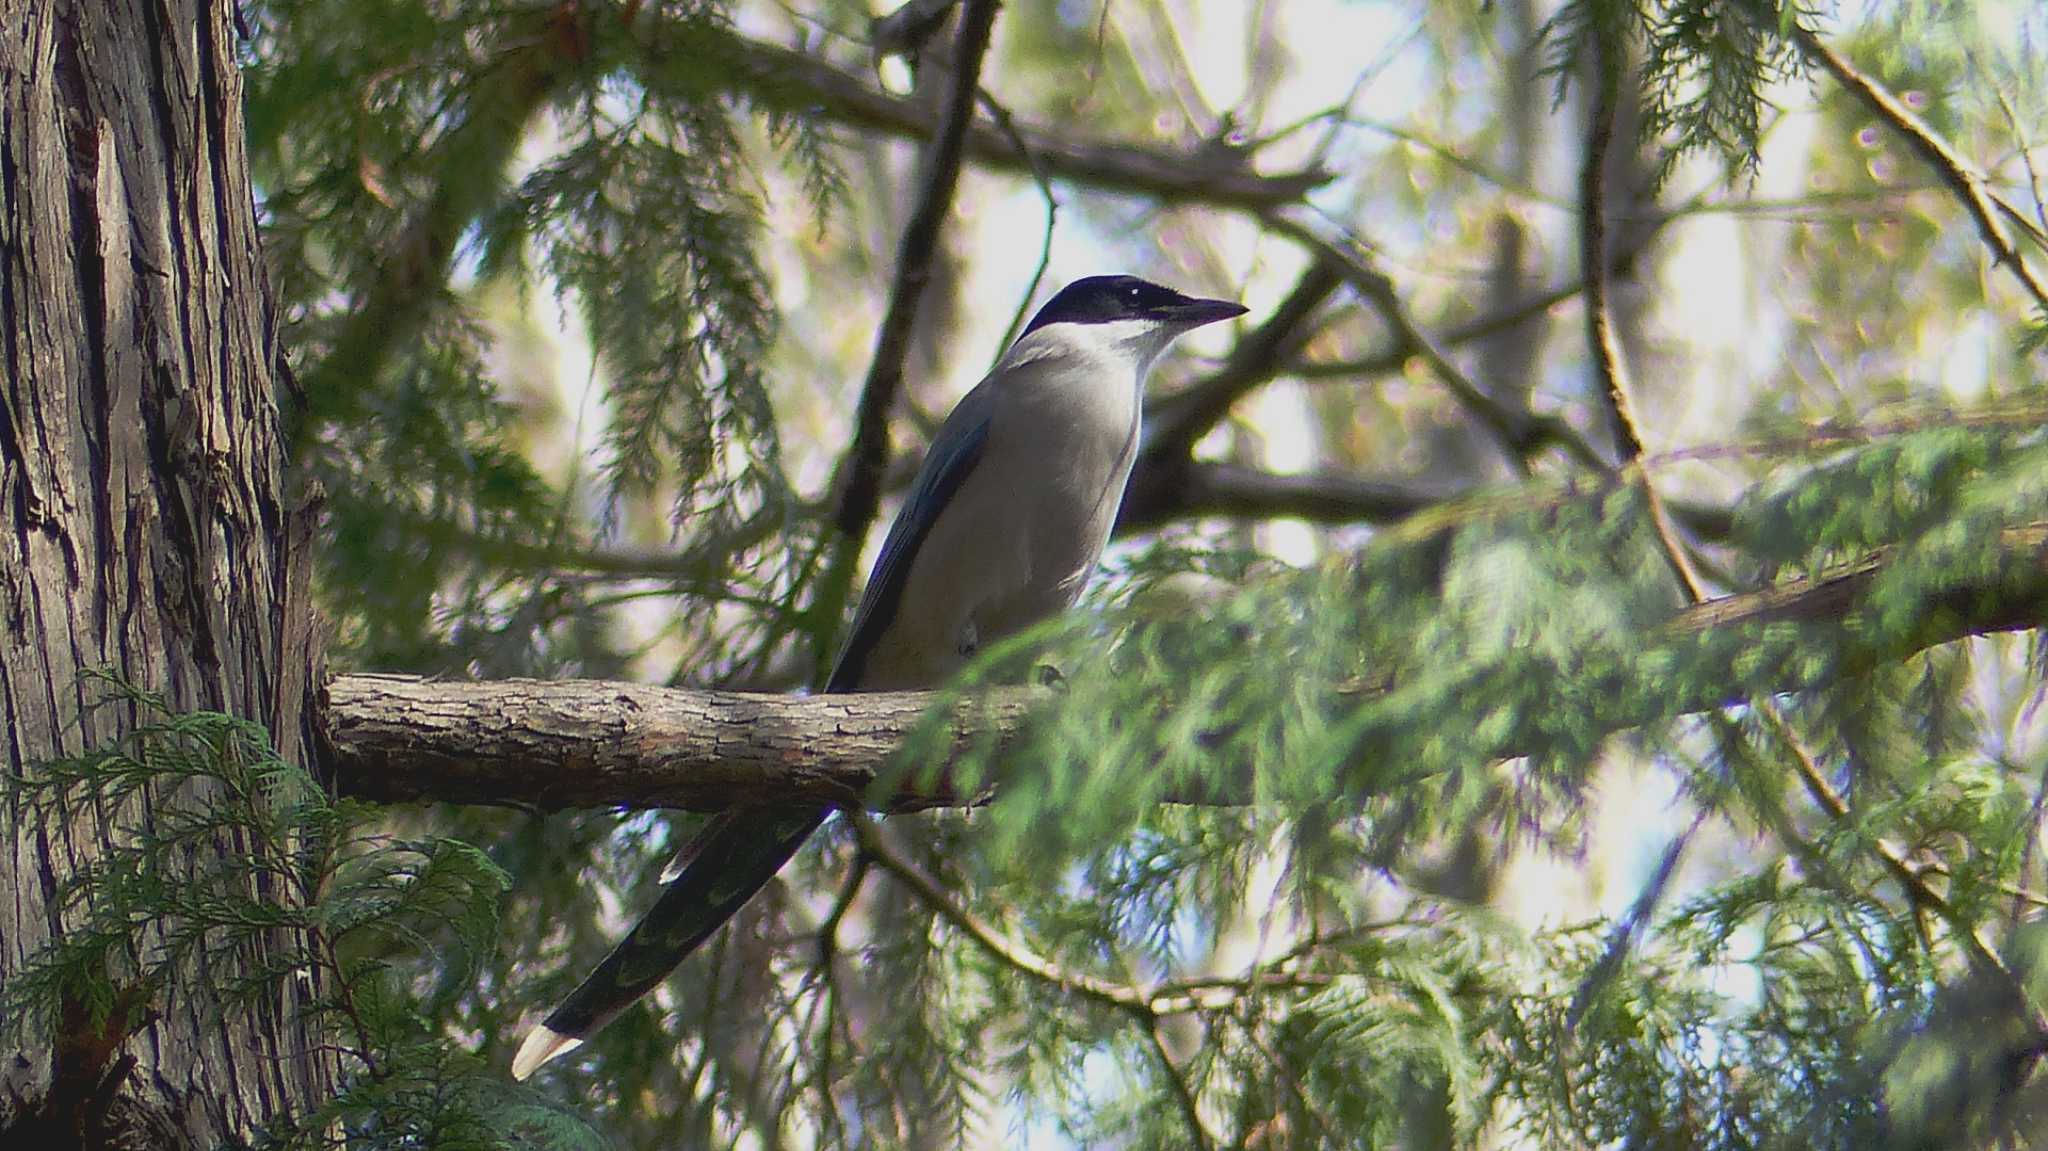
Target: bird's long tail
[721, 869]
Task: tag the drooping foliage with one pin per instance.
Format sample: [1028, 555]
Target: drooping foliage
[401, 211]
[374, 934]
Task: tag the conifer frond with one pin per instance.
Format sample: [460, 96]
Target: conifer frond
[346, 916]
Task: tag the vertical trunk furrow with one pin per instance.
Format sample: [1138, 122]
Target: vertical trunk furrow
[142, 497]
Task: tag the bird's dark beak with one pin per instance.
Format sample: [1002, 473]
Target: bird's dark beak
[1195, 313]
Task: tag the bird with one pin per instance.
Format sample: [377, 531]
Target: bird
[1001, 529]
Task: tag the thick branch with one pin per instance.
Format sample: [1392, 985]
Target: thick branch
[583, 743]
[555, 744]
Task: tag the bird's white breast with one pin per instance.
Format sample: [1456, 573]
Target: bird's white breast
[1018, 540]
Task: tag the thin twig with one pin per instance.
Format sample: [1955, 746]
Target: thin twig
[1917, 889]
[1520, 433]
[861, 493]
[1173, 997]
[1908, 877]
[2036, 228]
[1625, 933]
[785, 79]
[828, 929]
[1184, 1093]
[1468, 164]
[1609, 359]
[1008, 125]
[2028, 850]
[1011, 955]
[1966, 185]
[1398, 352]
[2022, 414]
[1293, 1081]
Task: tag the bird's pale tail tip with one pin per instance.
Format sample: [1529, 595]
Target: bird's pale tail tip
[542, 1044]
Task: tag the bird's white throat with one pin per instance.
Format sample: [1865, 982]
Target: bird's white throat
[1122, 347]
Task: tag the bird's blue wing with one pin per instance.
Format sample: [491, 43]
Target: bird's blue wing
[947, 465]
[742, 849]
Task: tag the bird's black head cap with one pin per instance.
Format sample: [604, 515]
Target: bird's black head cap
[1105, 299]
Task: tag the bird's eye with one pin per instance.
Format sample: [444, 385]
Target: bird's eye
[1133, 294]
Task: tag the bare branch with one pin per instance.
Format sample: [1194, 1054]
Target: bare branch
[1039, 176]
[584, 743]
[1520, 432]
[1397, 353]
[861, 493]
[798, 82]
[1962, 181]
[1610, 360]
[559, 744]
[1012, 955]
[1183, 1091]
[1175, 423]
[1902, 870]
[1164, 492]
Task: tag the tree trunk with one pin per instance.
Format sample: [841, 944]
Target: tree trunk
[146, 526]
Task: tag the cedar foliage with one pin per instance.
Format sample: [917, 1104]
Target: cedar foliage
[1415, 712]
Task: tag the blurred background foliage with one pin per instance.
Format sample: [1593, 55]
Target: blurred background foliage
[580, 296]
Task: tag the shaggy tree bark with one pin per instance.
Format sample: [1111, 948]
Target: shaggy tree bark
[146, 530]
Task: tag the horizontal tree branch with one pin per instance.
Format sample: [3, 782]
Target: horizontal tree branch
[587, 743]
[1165, 491]
[787, 80]
[557, 744]
[1162, 491]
